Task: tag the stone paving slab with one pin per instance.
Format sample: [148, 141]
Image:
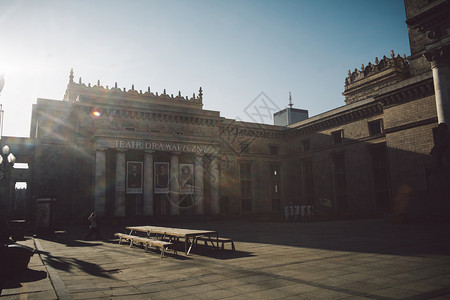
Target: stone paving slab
[358, 259]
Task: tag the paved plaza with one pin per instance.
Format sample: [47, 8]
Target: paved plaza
[357, 259]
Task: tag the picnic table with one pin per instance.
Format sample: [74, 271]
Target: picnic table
[174, 234]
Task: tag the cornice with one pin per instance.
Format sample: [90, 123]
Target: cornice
[411, 92]
[253, 130]
[430, 16]
[337, 120]
[168, 117]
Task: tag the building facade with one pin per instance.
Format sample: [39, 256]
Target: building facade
[133, 154]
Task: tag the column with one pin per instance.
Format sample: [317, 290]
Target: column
[214, 171]
[119, 204]
[100, 182]
[174, 192]
[148, 183]
[440, 66]
[198, 183]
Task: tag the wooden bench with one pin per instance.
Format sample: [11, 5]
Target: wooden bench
[161, 245]
[222, 240]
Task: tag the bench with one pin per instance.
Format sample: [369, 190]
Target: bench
[161, 245]
[213, 239]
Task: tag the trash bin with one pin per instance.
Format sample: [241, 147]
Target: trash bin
[17, 228]
[18, 257]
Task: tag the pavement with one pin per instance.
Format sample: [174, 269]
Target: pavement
[354, 259]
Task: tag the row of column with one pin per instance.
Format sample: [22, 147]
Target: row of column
[148, 192]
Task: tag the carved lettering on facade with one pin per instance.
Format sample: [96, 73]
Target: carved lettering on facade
[160, 146]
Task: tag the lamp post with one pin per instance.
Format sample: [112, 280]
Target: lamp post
[7, 160]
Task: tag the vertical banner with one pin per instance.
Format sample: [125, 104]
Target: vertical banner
[186, 179]
[43, 214]
[161, 176]
[134, 177]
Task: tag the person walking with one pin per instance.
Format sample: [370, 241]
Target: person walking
[93, 227]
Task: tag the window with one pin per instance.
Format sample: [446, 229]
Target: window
[244, 147]
[375, 127]
[245, 180]
[380, 176]
[21, 166]
[338, 136]
[305, 144]
[274, 150]
[308, 182]
[275, 188]
[340, 182]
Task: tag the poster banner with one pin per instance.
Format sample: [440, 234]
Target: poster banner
[161, 177]
[43, 214]
[186, 179]
[134, 177]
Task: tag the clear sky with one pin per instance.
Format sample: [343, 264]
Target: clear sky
[233, 49]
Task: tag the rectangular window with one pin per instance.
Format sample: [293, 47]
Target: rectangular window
[305, 144]
[375, 127]
[274, 150]
[380, 176]
[340, 182]
[245, 180]
[275, 188]
[308, 182]
[244, 147]
[338, 136]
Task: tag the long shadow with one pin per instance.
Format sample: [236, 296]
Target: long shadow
[367, 236]
[221, 254]
[69, 264]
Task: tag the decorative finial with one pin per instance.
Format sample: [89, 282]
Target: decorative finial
[349, 73]
[107, 87]
[179, 93]
[200, 93]
[193, 95]
[362, 67]
[89, 84]
[376, 60]
[115, 85]
[79, 80]
[290, 100]
[98, 82]
[124, 89]
[148, 89]
[132, 87]
[404, 56]
[392, 54]
[71, 76]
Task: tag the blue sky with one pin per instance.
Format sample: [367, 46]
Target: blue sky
[233, 49]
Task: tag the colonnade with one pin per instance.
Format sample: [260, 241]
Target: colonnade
[148, 188]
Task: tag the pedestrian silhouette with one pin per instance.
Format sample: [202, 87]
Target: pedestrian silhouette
[93, 227]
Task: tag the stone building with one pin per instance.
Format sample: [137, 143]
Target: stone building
[142, 155]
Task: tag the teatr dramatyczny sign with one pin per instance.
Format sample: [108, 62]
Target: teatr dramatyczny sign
[161, 146]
